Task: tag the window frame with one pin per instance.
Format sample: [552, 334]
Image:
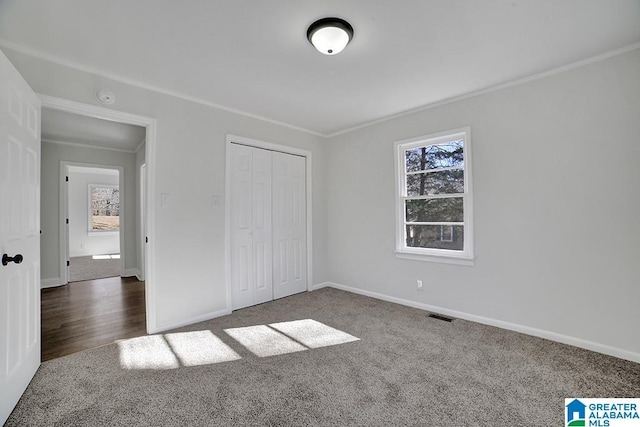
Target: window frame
[90, 230]
[449, 256]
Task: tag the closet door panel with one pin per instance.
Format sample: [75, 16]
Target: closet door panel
[262, 227]
[289, 225]
[241, 221]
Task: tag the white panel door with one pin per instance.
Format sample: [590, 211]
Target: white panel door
[19, 235]
[289, 225]
[261, 200]
[241, 220]
[250, 226]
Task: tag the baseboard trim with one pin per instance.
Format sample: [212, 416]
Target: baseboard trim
[190, 321]
[130, 272]
[540, 333]
[51, 282]
[320, 286]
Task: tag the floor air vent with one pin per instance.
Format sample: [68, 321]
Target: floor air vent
[440, 317]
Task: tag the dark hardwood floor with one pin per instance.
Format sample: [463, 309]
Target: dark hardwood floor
[88, 314]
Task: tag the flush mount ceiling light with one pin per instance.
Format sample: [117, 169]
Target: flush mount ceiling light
[330, 35]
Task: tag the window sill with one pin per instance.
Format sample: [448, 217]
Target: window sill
[443, 259]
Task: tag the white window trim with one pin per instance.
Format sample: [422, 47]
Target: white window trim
[90, 230]
[465, 257]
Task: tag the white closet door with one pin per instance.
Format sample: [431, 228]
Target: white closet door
[250, 226]
[289, 225]
[262, 255]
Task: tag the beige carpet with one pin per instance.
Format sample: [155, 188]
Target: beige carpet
[87, 268]
[325, 358]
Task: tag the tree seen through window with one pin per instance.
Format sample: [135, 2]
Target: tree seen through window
[105, 208]
[434, 196]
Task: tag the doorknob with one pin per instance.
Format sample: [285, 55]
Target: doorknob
[6, 259]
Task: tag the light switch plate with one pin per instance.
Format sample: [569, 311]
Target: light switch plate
[164, 200]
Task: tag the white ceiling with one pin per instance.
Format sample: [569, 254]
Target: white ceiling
[59, 126]
[253, 56]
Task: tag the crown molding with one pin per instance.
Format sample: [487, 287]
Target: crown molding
[79, 144]
[112, 76]
[140, 145]
[133, 82]
[494, 88]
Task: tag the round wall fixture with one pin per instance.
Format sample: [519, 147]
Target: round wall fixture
[105, 97]
[330, 35]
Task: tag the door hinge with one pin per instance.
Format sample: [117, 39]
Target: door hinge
[146, 240]
[67, 220]
[67, 178]
[68, 263]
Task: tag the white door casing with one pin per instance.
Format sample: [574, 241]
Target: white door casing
[289, 225]
[143, 223]
[64, 238]
[19, 234]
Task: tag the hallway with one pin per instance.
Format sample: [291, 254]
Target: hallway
[88, 314]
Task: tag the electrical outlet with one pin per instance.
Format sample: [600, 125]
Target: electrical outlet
[419, 285]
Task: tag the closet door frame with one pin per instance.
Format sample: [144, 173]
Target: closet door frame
[249, 142]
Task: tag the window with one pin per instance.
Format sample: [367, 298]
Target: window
[434, 202]
[104, 208]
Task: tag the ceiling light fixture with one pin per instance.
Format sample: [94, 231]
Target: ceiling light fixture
[330, 35]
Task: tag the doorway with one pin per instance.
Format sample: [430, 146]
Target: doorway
[93, 230]
[123, 199]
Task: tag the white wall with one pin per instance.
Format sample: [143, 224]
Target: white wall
[81, 243]
[556, 220]
[52, 155]
[556, 176]
[189, 237]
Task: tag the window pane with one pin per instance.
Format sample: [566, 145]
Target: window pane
[105, 208]
[446, 155]
[436, 236]
[435, 210]
[442, 182]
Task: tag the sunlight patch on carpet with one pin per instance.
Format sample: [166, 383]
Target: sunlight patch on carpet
[99, 257]
[150, 352]
[172, 351]
[264, 341]
[312, 333]
[200, 348]
[197, 348]
[288, 337]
